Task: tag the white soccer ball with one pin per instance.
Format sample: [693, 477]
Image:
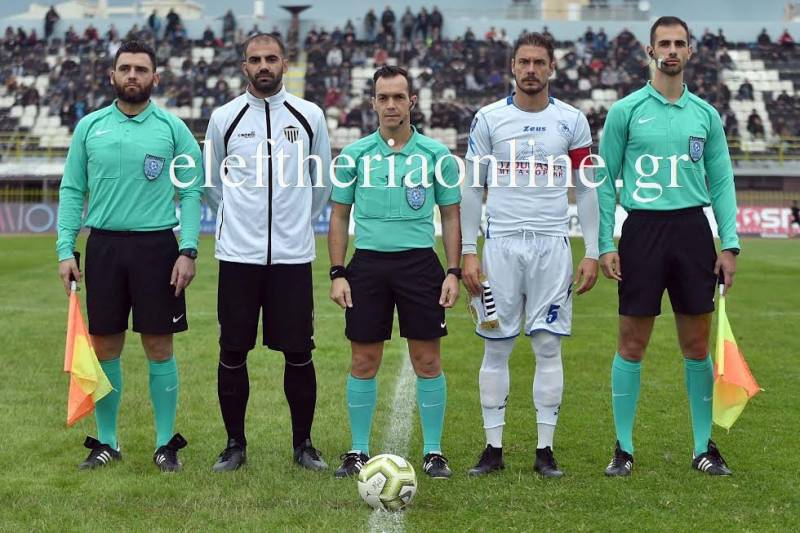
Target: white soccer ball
[387, 482]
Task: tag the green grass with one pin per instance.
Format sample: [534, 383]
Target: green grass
[41, 488]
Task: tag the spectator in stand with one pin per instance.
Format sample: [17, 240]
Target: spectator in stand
[51, 18]
[179, 36]
[70, 37]
[437, 22]
[228, 26]
[725, 59]
[90, 35]
[601, 41]
[154, 23]
[588, 37]
[763, 39]
[721, 40]
[332, 97]
[746, 90]
[387, 21]
[709, 40]
[254, 30]
[785, 40]
[173, 21]
[208, 36]
[502, 38]
[381, 57]
[469, 37]
[423, 24]
[349, 31]
[471, 83]
[546, 33]
[334, 58]
[407, 22]
[112, 35]
[755, 125]
[370, 23]
[490, 35]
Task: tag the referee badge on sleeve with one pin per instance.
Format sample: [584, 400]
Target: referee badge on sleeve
[153, 166]
[415, 196]
[696, 147]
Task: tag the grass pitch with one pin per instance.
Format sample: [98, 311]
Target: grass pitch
[42, 489]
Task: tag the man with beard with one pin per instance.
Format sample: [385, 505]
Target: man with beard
[527, 148]
[668, 148]
[128, 158]
[268, 152]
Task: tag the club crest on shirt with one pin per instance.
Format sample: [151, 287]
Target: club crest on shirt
[563, 129]
[291, 133]
[696, 147]
[415, 196]
[153, 165]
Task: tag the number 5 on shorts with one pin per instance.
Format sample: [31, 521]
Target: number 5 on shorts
[552, 314]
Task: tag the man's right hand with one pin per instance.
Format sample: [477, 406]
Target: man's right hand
[340, 293]
[609, 263]
[471, 274]
[66, 269]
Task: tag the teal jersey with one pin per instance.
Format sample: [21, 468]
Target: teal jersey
[123, 165]
[395, 213]
[694, 168]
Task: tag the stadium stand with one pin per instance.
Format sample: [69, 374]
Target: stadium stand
[47, 86]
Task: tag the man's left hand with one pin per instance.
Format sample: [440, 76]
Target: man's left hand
[449, 292]
[726, 263]
[182, 274]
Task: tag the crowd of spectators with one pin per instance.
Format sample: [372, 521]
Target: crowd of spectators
[460, 74]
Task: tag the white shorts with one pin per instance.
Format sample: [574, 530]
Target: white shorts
[529, 273]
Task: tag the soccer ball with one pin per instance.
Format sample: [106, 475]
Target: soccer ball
[387, 482]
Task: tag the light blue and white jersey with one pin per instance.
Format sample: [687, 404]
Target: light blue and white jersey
[535, 152]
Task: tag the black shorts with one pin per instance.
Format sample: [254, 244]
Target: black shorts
[411, 280]
[672, 250]
[283, 295]
[131, 270]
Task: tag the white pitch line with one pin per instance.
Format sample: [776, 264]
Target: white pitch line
[396, 440]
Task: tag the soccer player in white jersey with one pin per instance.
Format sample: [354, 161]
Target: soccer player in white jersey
[529, 148]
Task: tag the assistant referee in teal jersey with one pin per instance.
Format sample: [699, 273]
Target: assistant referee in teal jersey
[121, 158]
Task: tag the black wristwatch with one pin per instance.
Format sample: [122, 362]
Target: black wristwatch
[454, 271]
[734, 251]
[337, 271]
[191, 253]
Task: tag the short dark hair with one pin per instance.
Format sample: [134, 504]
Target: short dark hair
[263, 37]
[389, 71]
[135, 46]
[668, 21]
[535, 39]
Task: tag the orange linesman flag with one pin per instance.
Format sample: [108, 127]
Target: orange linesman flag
[88, 383]
[734, 385]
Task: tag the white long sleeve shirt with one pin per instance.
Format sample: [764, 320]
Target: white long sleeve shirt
[265, 202]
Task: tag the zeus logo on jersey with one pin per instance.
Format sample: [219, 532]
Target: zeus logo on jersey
[534, 129]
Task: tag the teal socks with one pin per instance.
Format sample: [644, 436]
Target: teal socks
[362, 395]
[625, 383]
[432, 400]
[107, 408]
[700, 389]
[164, 396]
